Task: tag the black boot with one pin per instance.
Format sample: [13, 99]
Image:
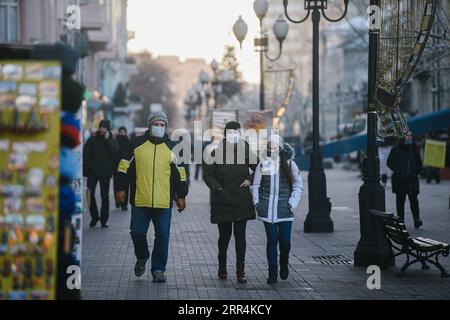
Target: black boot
[222, 268]
[273, 275]
[93, 223]
[240, 273]
[284, 269]
[418, 223]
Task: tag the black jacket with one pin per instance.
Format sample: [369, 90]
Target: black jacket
[99, 156]
[229, 201]
[405, 162]
[125, 148]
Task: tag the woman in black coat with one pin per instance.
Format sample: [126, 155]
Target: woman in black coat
[231, 200]
[404, 160]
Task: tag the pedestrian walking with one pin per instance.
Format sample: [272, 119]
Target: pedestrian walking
[155, 182]
[277, 190]
[99, 154]
[231, 201]
[124, 144]
[406, 164]
[384, 150]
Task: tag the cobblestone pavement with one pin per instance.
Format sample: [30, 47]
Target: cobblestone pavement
[108, 257]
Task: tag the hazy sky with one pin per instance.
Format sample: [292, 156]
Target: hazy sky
[194, 29]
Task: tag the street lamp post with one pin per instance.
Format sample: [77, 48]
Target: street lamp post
[261, 43]
[372, 249]
[205, 80]
[318, 218]
[206, 84]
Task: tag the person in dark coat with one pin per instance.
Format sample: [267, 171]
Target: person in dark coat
[405, 162]
[125, 148]
[99, 158]
[231, 202]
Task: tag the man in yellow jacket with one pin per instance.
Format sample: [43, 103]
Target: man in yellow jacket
[156, 180]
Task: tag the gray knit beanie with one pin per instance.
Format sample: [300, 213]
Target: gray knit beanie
[158, 115]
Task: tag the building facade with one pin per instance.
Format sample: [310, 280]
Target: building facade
[343, 64]
[183, 75]
[101, 40]
[429, 88]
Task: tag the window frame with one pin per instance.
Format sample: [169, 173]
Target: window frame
[9, 5]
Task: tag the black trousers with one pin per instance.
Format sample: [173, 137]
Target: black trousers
[198, 167]
[225, 230]
[433, 174]
[104, 194]
[413, 202]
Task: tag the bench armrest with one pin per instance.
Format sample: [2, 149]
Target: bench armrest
[381, 213]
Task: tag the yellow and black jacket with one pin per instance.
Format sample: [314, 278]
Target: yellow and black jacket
[151, 169]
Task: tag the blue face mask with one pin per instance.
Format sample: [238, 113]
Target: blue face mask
[158, 131]
[408, 142]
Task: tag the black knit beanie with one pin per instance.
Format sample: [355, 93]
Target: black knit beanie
[231, 125]
[104, 124]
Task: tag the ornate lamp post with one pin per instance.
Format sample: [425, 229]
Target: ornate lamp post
[216, 85]
[280, 29]
[194, 101]
[205, 80]
[318, 219]
[372, 247]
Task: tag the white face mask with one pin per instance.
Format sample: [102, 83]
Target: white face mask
[274, 153]
[158, 131]
[233, 137]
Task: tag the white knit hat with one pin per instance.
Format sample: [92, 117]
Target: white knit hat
[277, 139]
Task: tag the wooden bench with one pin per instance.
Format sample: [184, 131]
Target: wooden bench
[418, 249]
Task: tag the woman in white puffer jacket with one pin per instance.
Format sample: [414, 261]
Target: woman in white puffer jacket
[277, 190]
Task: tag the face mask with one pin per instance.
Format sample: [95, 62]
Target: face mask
[158, 131]
[408, 142]
[273, 153]
[233, 137]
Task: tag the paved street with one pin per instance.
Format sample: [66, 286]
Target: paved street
[108, 256]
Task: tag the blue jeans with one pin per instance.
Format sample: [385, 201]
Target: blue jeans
[140, 222]
[278, 233]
